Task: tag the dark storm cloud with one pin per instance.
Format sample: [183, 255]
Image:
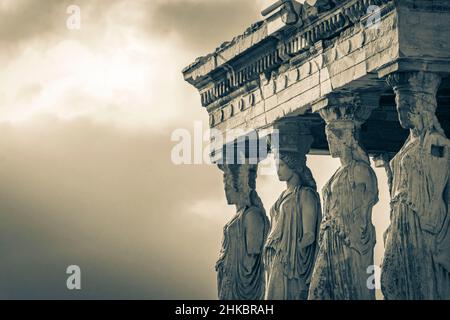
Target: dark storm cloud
[200, 24]
[203, 24]
[109, 201]
[25, 19]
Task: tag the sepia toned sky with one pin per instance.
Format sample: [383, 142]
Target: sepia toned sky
[86, 177]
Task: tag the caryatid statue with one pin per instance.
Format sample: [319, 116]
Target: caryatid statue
[347, 235]
[291, 246]
[417, 244]
[240, 269]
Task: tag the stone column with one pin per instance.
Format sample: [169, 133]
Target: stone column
[417, 255]
[291, 246]
[240, 268]
[347, 236]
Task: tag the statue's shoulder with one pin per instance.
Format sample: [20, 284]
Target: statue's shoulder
[253, 215]
[310, 195]
[363, 172]
[437, 135]
[253, 210]
[436, 145]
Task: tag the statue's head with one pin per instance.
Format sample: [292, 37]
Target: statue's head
[294, 143]
[284, 171]
[239, 182]
[290, 164]
[406, 107]
[341, 137]
[343, 127]
[415, 97]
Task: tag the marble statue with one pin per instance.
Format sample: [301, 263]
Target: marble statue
[417, 244]
[347, 235]
[290, 249]
[240, 269]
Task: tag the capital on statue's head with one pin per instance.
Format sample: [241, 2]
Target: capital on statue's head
[353, 114]
[419, 81]
[292, 136]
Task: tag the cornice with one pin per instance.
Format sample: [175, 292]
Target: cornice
[222, 73]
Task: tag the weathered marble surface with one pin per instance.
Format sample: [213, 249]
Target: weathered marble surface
[417, 256]
[291, 246]
[261, 77]
[266, 75]
[347, 236]
[240, 269]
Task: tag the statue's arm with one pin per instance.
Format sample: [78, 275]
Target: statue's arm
[365, 179]
[309, 218]
[254, 231]
[365, 191]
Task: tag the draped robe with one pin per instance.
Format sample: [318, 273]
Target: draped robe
[289, 267]
[416, 263]
[240, 275]
[347, 238]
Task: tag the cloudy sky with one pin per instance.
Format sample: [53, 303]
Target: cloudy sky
[86, 177]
